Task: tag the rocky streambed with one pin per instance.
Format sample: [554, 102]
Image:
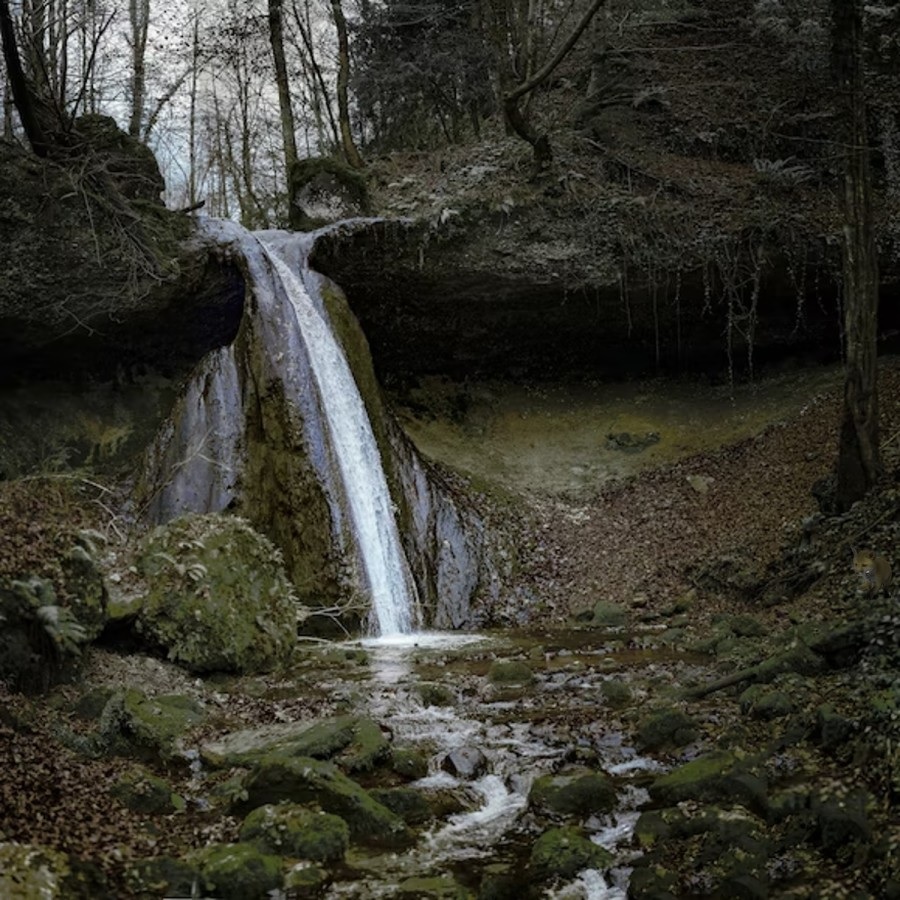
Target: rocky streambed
[692, 697]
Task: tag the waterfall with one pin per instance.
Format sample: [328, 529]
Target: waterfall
[358, 458]
[288, 341]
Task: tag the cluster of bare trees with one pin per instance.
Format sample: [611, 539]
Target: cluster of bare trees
[209, 84]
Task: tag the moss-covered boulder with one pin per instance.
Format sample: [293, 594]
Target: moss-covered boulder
[616, 693]
[145, 792]
[288, 829]
[306, 780]
[575, 793]
[162, 876]
[134, 723]
[408, 803]
[665, 728]
[237, 871]
[721, 776]
[218, 598]
[324, 190]
[510, 672]
[354, 742]
[305, 881]
[563, 852]
[408, 763]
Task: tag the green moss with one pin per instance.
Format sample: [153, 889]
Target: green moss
[218, 597]
[563, 852]
[28, 871]
[357, 743]
[666, 728]
[616, 693]
[583, 794]
[406, 802]
[306, 780]
[238, 871]
[511, 672]
[143, 791]
[288, 829]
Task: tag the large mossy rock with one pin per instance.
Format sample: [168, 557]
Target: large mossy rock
[582, 793]
[34, 872]
[238, 871]
[218, 598]
[354, 742]
[305, 780]
[563, 852]
[718, 777]
[288, 829]
[135, 724]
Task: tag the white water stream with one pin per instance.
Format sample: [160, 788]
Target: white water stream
[517, 752]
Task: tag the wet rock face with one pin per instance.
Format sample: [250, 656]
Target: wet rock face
[467, 763]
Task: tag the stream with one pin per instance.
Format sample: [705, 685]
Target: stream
[439, 693]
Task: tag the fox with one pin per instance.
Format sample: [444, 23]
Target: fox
[874, 571]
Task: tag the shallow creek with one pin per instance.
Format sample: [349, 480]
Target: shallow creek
[434, 693]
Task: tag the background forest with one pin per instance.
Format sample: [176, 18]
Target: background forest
[229, 94]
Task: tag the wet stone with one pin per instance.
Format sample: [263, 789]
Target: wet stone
[467, 763]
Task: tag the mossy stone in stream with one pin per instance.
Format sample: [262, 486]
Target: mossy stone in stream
[583, 793]
[355, 742]
[616, 693]
[305, 880]
[433, 694]
[218, 598]
[665, 728]
[407, 803]
[436, 887]
[237, 871]
[510, 672]
[288, 829]
[563, 852]
[408, 763]
[305, 780]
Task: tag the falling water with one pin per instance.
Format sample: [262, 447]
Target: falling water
[199, 457]
[358, 458]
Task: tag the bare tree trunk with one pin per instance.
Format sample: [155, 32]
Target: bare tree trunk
[22, 93]
[276, 39]
[350, 150]
[320, 97]
[139, 21]
[192, 114]
[516, 62]
[859, 462]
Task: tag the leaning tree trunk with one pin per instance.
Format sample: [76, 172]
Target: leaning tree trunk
[858, 464]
